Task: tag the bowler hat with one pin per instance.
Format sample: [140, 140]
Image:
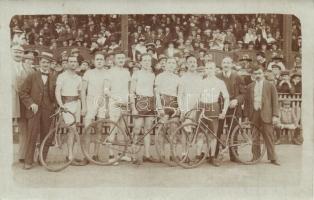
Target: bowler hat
[46, 55]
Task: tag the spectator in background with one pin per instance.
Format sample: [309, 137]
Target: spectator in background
[261, 60]
[276, 60]
[296, 82]
[285, 86]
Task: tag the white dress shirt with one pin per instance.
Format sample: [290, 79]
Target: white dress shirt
[258, 94]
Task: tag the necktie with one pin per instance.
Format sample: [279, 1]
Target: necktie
[44, 74]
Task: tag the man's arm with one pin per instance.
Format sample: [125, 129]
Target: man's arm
[275, 103]
[58, 92]
[25, 91]
[83, 97]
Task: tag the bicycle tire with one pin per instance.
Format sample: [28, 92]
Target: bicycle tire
[246, 156]
[161, 136]
[185, 161]
[49, 166]
[123, 142]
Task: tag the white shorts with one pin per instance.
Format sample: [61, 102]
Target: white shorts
[75, 108]
[96, 106]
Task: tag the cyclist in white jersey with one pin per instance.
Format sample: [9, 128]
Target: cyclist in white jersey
[68, 88]
[117, 88]
[212, 87]
[166, 87]
[92, 96]
[143, 105]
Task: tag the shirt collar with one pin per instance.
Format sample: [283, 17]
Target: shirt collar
[228, 74]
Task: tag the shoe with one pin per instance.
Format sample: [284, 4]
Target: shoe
[215, 162]
[95, 158]
[210, 159]
[277, 142]
[232, 159]
[27, 166]
[112, 160]
[150, 159]
[126, 158]
[137, 162]
[275, 162]
[200, 157]
[21, 160]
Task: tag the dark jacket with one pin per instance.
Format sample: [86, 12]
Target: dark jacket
[270, 105]
[32, 91]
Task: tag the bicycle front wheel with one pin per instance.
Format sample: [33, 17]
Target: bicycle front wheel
[104, 142]
[189, 145]
[56, 159]
[163, 139]
[247, 143]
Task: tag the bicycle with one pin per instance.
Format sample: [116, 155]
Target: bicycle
[56, 159]
[116, 140]
[244, 137]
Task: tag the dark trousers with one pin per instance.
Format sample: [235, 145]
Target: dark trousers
[38, 124]
[22, 122]
[221, 124]
[267, 131]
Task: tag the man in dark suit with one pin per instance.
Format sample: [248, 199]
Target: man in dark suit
[236, 90]
[262, 108]
[37, 94]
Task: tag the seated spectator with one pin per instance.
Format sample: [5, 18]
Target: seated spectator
[285, 86]
[171, 51]
[287, 119]
[276, 70]
[261, 59]
[276, 60]
[296, 82]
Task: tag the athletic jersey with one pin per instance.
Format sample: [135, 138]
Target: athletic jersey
[144, 83]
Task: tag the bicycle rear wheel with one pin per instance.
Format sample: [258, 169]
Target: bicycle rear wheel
[189, 145]
[110, 142]
[163, 139]
[247, 143]
[56, 159]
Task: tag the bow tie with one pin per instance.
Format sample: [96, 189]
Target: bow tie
[44, 74]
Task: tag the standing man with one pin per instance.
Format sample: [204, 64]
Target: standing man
[37, 94]
[20, 72]
[236, 92]
[117, 88]
[262, 108]
[68, 88]
[93, 104]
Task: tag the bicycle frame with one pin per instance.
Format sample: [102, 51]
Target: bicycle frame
[202, 125]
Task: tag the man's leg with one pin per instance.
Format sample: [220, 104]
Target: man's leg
[33, 128]
[148, 123]
[267, 131]
[221, 123]
[22, 123]
[137, 148]
[45, 122]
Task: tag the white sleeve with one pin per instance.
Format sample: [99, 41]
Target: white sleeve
[86, 76]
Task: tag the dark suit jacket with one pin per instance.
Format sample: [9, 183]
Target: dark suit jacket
[236, 87]
[32, 91]
[270, 105]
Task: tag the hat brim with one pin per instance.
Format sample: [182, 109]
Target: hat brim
[46, 57]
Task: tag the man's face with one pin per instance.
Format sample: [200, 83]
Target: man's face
[146, 62]
[17, 55]
[227, 64]
[29, 62]
[286, 77]
[53, 65]
[191, 64]
[210, 69]
[296, 79]
[99, 61]
[44, 64]
[120, 60]
[276, 71]
[85, 66]
[64, 63]
[171, 65]
[72, 63]
[258, 74]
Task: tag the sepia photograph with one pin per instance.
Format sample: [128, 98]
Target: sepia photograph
[149, 100]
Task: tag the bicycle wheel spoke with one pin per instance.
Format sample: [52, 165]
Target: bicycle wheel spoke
[108, 142]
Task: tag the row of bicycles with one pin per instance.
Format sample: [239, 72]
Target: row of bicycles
[175, 140]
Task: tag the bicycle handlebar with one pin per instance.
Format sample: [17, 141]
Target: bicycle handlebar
[61, 110]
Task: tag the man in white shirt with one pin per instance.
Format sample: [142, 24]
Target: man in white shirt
[117, 88]
[166, 87]
[189, 88]
[68, 88]
[93, 100]
[212, 87]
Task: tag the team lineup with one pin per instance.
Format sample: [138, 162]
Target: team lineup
[182, 104]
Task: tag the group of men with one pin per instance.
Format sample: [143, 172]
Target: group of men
[104, 93]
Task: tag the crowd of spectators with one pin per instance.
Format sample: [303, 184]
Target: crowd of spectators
[170, 36]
